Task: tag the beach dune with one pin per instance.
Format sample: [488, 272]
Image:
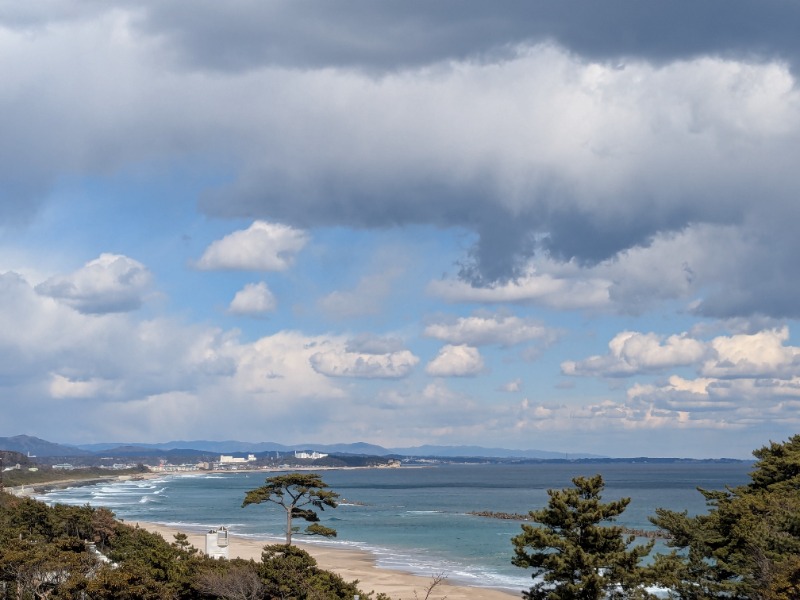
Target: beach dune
[352, 565]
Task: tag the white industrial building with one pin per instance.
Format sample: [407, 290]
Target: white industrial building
[225, 459]
[312, 455]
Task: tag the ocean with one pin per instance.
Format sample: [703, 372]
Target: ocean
[415, 519]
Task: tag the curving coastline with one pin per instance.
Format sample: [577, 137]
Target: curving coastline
[351, 564]
[42, 487]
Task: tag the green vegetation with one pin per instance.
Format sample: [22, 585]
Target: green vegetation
[747, 547]
[295, 492]
[71, 553]
[575, 555]
[45, 474]
[19, 469]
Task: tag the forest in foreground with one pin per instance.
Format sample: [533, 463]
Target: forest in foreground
[71, 552]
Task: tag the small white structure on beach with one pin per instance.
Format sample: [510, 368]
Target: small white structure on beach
[217, 543]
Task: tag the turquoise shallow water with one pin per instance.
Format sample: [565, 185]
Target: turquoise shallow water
[415, 519]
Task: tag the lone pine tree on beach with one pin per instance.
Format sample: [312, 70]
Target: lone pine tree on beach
[299, 494]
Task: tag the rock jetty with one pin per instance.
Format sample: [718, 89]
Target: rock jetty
[641, 533]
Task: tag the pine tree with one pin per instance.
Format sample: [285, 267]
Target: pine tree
[300, 495]
[577, 557]
[748, 544]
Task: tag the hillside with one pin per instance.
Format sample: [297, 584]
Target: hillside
[37, 447]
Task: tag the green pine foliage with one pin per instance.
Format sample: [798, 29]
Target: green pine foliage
[748, 544]
[746, 547]
[576, 556]
[301, 495]
[45, 553]
[290, 572]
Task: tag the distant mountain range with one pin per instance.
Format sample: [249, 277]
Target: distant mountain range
[38, 447]
[360, 448]
[33, 446]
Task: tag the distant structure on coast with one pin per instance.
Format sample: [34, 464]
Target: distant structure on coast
[225, 459]
[217, 543]
[312, 455]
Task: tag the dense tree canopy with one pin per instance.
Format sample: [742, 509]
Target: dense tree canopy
[46, 552]
[576, 556]
[748, 545]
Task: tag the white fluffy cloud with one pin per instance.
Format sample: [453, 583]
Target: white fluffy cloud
[512, 386]
[733, 403]
[456, 361]
[754, 355]
[64, 387]
[553, 291]
[763, 354]
[631, 353]
[69, 354]
[254, 299]
[246, 387]
[607, 416]
[745, 381]
[110, 369]
[110, 283]
[341, 363]
[261, 247]
[481, 330]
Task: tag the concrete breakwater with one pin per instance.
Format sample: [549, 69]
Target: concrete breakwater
[642, 533]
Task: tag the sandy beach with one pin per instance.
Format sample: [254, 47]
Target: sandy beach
[351, 565]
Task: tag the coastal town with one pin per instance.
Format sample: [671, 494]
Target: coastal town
[24, 474]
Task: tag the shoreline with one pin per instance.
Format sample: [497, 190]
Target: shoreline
[43, 487]
[351, 564]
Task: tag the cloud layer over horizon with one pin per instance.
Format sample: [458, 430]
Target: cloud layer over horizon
[528, 224]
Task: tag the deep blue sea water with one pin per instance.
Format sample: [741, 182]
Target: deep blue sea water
[415, 519]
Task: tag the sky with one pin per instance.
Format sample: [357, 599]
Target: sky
[530, 225]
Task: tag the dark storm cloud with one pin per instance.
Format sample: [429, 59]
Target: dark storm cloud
[396, 34]
[568, 130]
[35, 15]
[765, 281]
[366, 202]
